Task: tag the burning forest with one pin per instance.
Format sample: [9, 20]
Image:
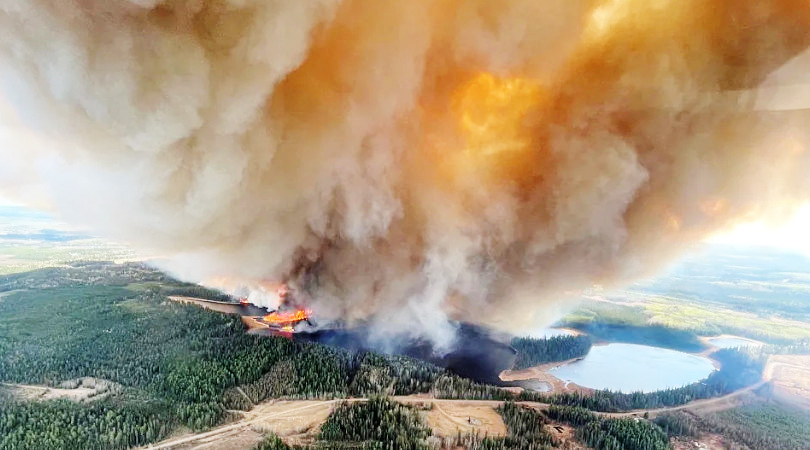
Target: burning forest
[407, 163]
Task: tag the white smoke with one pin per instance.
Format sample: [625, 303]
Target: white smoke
[409, 161]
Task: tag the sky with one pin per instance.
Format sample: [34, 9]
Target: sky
[792, 234]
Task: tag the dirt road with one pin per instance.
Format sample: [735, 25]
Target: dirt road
[696, 404]
[190, 440]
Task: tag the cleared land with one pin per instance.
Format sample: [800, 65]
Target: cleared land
[297, 421]
[790, 377]
[448, 418]
[79, 390]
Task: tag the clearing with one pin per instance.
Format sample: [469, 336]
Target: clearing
[79, 390]
[297, 421]
[790, 377]
[446, 419]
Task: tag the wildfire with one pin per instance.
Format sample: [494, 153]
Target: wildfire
[287, 318]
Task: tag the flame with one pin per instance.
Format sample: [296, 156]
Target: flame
[288, 318]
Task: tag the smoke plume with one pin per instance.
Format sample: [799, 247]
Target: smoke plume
[408, 161]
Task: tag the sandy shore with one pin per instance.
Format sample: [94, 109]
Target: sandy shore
[540, 373]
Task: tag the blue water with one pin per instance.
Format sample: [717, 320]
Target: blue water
[630, 368]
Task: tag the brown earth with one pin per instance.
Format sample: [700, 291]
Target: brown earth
[790, 377]
[297, 421]
[223, 307]
[447, 419]
[565, 434]
[540, 373]
[80, 390]
[705, 442]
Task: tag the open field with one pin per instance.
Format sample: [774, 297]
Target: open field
[790, 377]
[252, 323]
[79, 390]
[448, 418]
[18, 257]
[678, 313]
[297, 421]
[222, 307]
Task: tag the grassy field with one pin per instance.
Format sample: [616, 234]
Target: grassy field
[701, 319]
[17, 257]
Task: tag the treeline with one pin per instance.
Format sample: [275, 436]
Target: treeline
[647, 334]
[532, 352]
[740, 368]
[197, 291]
[526, 428]
[759, 426]
[610, 434]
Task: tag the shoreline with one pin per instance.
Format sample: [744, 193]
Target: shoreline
[540, 374]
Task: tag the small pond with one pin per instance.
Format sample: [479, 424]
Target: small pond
[631, 367]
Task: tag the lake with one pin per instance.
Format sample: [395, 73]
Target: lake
[631, 367]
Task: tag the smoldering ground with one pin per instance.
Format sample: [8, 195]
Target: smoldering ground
[410, 161]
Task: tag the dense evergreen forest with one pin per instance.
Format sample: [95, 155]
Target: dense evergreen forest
[761, 425]
[177, 364]
[526, 428]
[740, 368]
[646, 334]
[611, 434]
[532, 352]
[379, 420]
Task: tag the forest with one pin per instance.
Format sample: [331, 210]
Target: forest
[608, 433]
[378, 420]
[532, 352]
[164, 353]
[600, 329]
[759, 425]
